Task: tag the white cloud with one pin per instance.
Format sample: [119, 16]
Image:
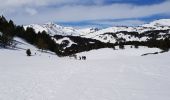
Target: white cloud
[120, 23]
[115, 11]
[76, 12]
[31, 11]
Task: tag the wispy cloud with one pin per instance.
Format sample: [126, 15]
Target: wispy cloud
[120, 23]
[40, 11]
[31, 11]
[104, 23]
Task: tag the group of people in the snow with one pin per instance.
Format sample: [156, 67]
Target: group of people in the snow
[78, 57]
[28, 52]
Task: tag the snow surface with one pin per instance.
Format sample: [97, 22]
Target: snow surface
[107, 74]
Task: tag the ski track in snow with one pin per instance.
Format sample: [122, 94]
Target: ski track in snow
[106, 75]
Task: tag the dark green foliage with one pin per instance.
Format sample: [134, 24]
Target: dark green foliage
[7, 28]
[5, 40]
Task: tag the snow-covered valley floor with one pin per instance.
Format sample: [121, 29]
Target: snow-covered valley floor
[106, 75]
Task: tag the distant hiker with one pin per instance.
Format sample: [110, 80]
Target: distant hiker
[28, 52]
[73, 56]
[84, 57]
[79, 57]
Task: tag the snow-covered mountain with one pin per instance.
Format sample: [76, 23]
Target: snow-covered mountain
[54, 29]
[86, 31]
[158, 23]
[104, 35]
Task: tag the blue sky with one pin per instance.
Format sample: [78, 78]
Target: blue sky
[86, 13]
[136, 2]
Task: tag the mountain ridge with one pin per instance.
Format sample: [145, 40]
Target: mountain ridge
[55, 29]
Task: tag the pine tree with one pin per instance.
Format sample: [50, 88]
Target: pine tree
[41, 44]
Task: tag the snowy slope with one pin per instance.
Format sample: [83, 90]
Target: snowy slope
[106, 75]
[67, 41]
[100, 35]
[86, 31]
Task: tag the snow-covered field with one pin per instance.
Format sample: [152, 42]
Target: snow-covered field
[106, 75]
